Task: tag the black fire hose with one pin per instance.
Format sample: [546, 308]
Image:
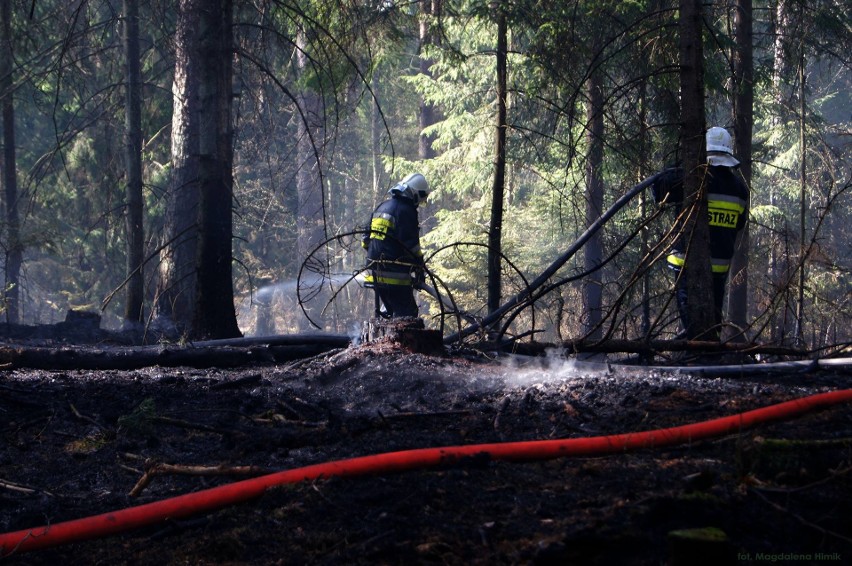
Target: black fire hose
[558, 263]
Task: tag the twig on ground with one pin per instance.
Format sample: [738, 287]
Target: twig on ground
[84, 417]
[406, 415]
[193, 426]
[799, 518]
[11, 486]
[834, 475]
[305, 361]
[159, 469]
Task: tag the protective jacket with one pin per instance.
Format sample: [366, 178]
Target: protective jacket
[727, 206]
[393, 243]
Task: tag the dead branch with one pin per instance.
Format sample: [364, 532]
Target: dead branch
[323, 356]
[159, 469]
[407, 415]
[84, 417]
[831, 477]
[193, 426]
[799, 518]
[11, 486]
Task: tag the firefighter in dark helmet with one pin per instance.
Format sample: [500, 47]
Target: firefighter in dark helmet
[727, 203]
[394, 257]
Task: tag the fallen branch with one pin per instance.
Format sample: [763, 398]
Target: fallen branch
[406, 415]
[794, 444]
[84, 417]
[833, 476]
[323, 356]
[193, 426]
[800, 519]
[159, 469]
[22, 489]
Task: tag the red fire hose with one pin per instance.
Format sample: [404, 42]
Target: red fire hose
[218, 497]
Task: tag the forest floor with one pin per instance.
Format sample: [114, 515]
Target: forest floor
[75, 443]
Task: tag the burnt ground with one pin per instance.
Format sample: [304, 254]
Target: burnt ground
[74, 443]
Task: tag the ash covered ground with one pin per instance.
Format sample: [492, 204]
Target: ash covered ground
[75, 443]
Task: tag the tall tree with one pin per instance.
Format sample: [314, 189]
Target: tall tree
[593, 250]
[780, 261]
[803, 202]
[195, 289]
[133, 308]
[428, 113]
[697, 268]
[743, 79]
[214, 315]
[176, 290]
[310, 205]
[14, 252]
[495, 227]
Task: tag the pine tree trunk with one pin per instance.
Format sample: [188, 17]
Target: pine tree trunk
[495, 228]
[803, 204]
[743, 119]
[214, 315]
[310, 206]
[427, 115]
[697, 268]
[376, 134]
[176, 287]
[593, 284]
[195, 289]
[133, 308]
[779, 258]
[14, 249]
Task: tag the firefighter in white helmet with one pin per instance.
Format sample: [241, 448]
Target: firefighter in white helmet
[394, 257]
[727, 203]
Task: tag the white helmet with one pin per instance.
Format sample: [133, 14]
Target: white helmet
[413, 187]
[719, 142]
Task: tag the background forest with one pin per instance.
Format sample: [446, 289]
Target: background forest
[554, 108]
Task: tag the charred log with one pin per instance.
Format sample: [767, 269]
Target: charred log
[214, 353]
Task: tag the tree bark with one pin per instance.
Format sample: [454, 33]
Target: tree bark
[427, 115]
[803, 203]
[593, 251]
[697, 268]
[738, 303]
[133, 308]
[310, 206]
[779, 258]
[14, 249]
[376, 135]
[196, 289]
[214, 314]
[176, 287]
[495, 228]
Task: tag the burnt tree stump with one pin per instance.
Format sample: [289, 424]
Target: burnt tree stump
[409, 333]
